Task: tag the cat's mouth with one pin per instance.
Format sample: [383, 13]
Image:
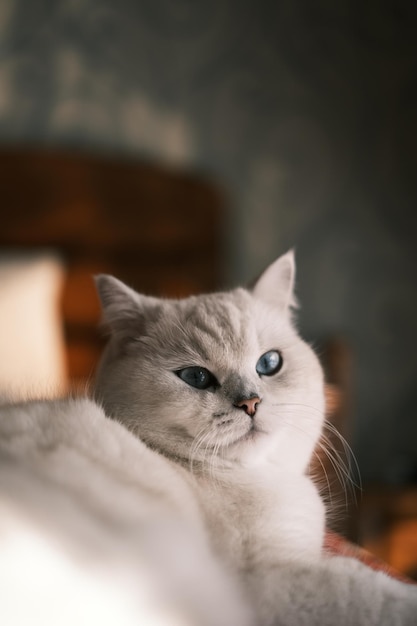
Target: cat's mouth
[251, 434]
[236, 429]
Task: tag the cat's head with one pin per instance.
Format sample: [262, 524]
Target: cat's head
[211, 377]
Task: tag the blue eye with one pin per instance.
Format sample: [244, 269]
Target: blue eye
[269, 363]
[198, 377]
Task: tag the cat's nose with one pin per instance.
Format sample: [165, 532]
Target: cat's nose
[249, 405]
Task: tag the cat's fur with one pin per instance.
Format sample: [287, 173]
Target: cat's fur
[95, 528]
[263, 513]
[201, 515]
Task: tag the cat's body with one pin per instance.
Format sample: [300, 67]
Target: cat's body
[249, 472]
[223, 386]
[95, 528]
[226, 405]
[250, 527]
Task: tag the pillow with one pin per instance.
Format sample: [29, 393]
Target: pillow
[32, 356]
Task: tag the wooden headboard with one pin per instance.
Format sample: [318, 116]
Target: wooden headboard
[156, 228]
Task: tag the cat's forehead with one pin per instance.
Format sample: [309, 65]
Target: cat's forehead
[226, 317]
[209, 328]
[220, 327]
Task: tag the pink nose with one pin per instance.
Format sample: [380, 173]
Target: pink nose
[249, 405]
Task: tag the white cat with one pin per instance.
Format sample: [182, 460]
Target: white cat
[202, 514]
[223, 387]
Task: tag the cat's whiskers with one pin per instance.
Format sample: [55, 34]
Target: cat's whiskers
[338, 464]
[203, 437]
[315, 455]
[350, 456]
[338, 467]
[213, 460]
[209, 450]
[334, 508]
[327, 424]
[310, 407]
[207, 443]
[343, 470]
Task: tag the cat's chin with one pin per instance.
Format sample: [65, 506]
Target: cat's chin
[250, 438]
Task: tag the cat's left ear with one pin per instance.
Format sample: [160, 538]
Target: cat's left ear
[276, 283]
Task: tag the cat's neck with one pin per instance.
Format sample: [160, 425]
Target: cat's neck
[217, 469]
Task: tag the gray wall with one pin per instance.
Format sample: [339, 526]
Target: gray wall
[304, 111]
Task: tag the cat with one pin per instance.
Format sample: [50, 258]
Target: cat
[95, 528]
[180, 495]
[223, 388]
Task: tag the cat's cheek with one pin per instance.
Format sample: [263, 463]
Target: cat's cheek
[267, 420]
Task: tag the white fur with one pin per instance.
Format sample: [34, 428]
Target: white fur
[95, 528]
[202, 515]
[264, 514]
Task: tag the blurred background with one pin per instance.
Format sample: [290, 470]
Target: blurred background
[183, 145]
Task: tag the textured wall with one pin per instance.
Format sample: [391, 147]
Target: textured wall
[306, 112]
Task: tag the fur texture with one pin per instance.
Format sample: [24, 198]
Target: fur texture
[185, 500]
[243, 442]
[95, 528]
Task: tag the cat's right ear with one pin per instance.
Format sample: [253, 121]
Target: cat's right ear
[124, 310]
